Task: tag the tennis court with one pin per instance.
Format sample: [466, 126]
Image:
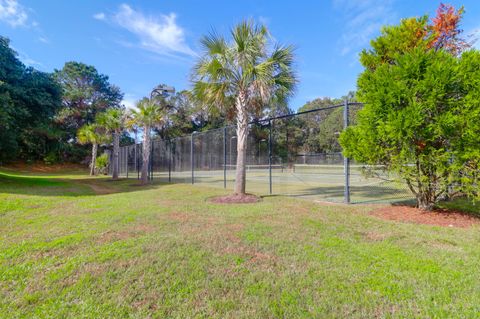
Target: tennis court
[314, 182]
[295, 155]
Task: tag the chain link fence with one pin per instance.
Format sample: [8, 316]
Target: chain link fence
[296, 155]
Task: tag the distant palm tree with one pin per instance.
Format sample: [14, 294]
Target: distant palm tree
[242, 77]
[113, 121]
[91, 134]
[148, 115]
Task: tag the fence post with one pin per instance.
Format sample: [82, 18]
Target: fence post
[170, 155]
[192, 158]
[225, 157]
[128, 153]
[151, 161]
[346, 160]
[270, 155]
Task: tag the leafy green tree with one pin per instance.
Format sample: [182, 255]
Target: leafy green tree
[413, 122]
[241, 77]
[29, 100]
[92, 134]
[85, 93]
[418, 95]
[148, 115]
[113, 120]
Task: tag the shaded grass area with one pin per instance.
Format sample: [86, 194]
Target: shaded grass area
[462, 205]
[75, 247]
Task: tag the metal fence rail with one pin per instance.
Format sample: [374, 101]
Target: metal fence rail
[295, 154]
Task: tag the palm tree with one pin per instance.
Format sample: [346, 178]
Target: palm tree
[148, 115]
[242, 77]
[91, 134]
[113, 121]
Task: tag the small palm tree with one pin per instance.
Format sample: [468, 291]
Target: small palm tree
[242, 77]
[113, 121]
[148, 115]
[91, 134]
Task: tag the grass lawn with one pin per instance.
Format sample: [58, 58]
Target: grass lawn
[75, 247]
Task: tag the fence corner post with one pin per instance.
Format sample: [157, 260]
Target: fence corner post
[346, 160]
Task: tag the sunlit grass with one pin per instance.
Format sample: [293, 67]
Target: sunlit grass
[79, 247]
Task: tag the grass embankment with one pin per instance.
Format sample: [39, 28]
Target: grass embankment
[77, 247]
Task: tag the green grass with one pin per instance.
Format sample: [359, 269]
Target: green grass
[75, 247]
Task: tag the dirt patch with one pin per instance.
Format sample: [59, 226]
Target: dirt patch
[131, 232]
[373, 236]
[444, 218]
[236, 199]
[99, 189]
[180, 217]
[41, 167]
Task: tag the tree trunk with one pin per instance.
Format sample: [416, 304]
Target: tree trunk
[242, 134]
[116, 151]
[424, 202]
[145, 155]
[94, 157]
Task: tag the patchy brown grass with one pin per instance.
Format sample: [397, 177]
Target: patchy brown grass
[236, 199]
[127, 233]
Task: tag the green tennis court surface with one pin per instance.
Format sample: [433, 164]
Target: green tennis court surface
[315, 182]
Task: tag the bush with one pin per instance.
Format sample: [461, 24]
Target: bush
[101, 164]
[51, 158]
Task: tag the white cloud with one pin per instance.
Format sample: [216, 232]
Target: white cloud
[364, 19]
[13, 13]
[129, 101]
[43, 39]
[99, 16]
[161, 34]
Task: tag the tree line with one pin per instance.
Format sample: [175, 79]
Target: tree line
[420, 121]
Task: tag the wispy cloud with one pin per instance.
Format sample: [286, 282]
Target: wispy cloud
[364, 18]
[13, 13]
[43, 39]
[99, 16]
[27, 60]
[160, 34]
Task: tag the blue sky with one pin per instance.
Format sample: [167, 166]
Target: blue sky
[140, 44]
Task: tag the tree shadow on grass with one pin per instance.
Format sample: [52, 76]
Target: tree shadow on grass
[71, 186]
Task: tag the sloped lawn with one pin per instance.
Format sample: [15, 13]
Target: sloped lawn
[75, 247]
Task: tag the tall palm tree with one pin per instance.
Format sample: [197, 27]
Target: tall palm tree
[91, 134]
[242, 77]
[148, 115]
[113, 121]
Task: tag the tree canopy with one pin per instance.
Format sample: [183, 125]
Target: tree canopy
[29, 99]
[419, 99]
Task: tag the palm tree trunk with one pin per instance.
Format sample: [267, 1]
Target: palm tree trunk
[116, 151]
[242, 134]
[145, 155]
[94, 157]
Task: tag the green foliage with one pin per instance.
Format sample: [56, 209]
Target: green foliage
[85, 93]
[101, 163]
[411, 33]
[421, 122]
[92, 134]
[422, 113]
[149, 113]
[29, 100]
[244, 67]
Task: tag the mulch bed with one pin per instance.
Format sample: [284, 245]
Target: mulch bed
[444, 218]
[235, 199]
